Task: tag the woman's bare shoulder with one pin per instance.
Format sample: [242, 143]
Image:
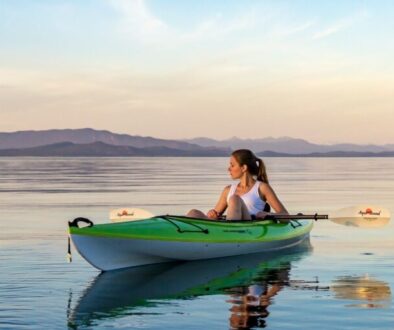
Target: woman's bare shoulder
[264, 186]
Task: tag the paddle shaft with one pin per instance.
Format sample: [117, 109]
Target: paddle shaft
[296, 216]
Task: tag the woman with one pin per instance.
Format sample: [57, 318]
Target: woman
[246, 199]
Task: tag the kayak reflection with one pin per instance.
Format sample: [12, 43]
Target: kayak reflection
[249, 280]
[371, 292]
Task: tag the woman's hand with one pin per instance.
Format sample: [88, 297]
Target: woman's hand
[262, 215]
[213, 214]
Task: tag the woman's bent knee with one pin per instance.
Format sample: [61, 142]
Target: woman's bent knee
[194, 213]
[235, 199]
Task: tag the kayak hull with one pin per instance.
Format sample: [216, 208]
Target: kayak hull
[114, 251]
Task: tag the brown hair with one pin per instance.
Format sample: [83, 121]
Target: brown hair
[255, 165]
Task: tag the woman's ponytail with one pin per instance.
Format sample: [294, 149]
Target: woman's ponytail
[262, 175]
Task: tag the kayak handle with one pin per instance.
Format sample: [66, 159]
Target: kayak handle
[76, 221]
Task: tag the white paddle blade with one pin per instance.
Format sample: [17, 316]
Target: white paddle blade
[367, 216]
[129, 214]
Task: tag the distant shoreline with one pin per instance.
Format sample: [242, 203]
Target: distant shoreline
[93, 143]
[100, 149]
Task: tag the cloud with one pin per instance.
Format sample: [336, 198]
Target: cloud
[140, 23]
[340, 25]
[138, 20]
[337, 27]
[218, 26]
[291, 30]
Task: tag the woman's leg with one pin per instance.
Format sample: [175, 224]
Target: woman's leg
[196, 214]
[237, 209]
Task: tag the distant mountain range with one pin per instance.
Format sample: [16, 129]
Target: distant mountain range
[101, 149]
[328, 154]
[28, 139]
[288, 145]
[90, 142]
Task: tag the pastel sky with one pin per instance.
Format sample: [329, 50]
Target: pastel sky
[323, 71]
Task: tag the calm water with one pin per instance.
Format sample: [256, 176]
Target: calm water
[342, 280]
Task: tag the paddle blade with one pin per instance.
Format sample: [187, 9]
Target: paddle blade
[129, 214]
[366, 216]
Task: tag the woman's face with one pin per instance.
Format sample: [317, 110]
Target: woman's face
[235, 170]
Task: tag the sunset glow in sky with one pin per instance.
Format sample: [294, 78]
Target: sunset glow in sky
[183, 69]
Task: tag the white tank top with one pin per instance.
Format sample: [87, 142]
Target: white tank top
[252, 198]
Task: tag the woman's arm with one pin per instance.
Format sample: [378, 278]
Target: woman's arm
[221, 205]
[268, 194]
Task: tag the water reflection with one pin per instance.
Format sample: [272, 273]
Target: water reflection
[250, 282]
[362, 222]
[249, 303]
[371, 292]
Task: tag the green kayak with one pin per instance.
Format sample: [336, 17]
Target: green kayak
[173, 238]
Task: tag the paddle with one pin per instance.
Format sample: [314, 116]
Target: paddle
[356, 216]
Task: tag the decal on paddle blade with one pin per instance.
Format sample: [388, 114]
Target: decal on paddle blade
[124, 213]
[369, 211]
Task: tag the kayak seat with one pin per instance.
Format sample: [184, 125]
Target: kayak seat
[267, 208]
